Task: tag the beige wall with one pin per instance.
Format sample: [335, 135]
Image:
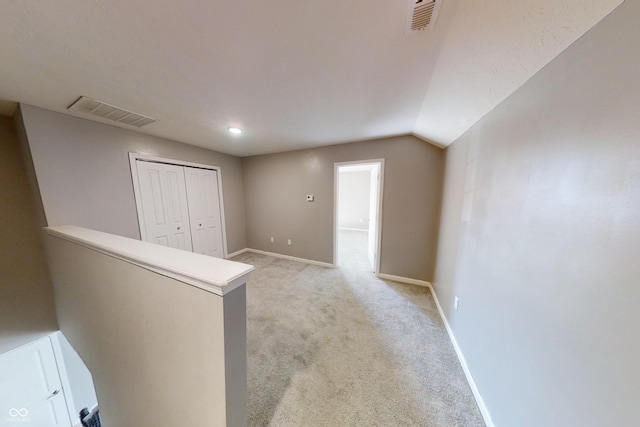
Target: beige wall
[159, 350]
[547, 268]
[26, 297]
[83, 172]
[276, 186]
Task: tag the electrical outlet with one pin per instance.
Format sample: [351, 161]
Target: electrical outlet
[289, 242]
[272, 240]
[456, 302]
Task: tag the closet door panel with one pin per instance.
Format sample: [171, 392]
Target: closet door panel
[164, 204]
[204, 211]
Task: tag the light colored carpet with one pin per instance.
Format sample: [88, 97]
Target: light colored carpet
[339, 347]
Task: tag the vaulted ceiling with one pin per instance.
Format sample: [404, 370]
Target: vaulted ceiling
[292, 74]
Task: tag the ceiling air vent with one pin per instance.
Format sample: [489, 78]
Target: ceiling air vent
[106, 112]
[422, 14]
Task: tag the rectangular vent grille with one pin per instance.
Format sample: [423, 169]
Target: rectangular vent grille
[422, 14]
[107, 112]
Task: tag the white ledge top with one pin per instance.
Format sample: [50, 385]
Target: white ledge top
[211, 274]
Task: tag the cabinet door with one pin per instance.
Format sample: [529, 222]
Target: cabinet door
[204, 211]
[164, 205]
[30, 388]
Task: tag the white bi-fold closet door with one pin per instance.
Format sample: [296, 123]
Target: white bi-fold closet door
[180, 207]
[204, 211]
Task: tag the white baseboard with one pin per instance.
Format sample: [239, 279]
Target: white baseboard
[287, 257]
[236, 253]
[404, 280]
[472, 384]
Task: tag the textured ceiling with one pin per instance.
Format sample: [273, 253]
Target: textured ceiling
[292, 74]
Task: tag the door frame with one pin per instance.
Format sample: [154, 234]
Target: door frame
[64, 376]
[378, 244]
[133, 157]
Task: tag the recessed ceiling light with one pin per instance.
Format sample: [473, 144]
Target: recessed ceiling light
[235, 130]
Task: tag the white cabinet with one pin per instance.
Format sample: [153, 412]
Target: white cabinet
[179, 206]
[31, 390]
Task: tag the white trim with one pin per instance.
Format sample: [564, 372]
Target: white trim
[236, 253]
[353, 229]
[472, 384]
[64, 378]
[149, 158]
[336, 166]
[133, 157]
[210, 274]
[137, 195]
[288, 257]
[222, 217]
[400, 279]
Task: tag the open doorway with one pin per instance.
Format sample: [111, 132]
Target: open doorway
[357, 213]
